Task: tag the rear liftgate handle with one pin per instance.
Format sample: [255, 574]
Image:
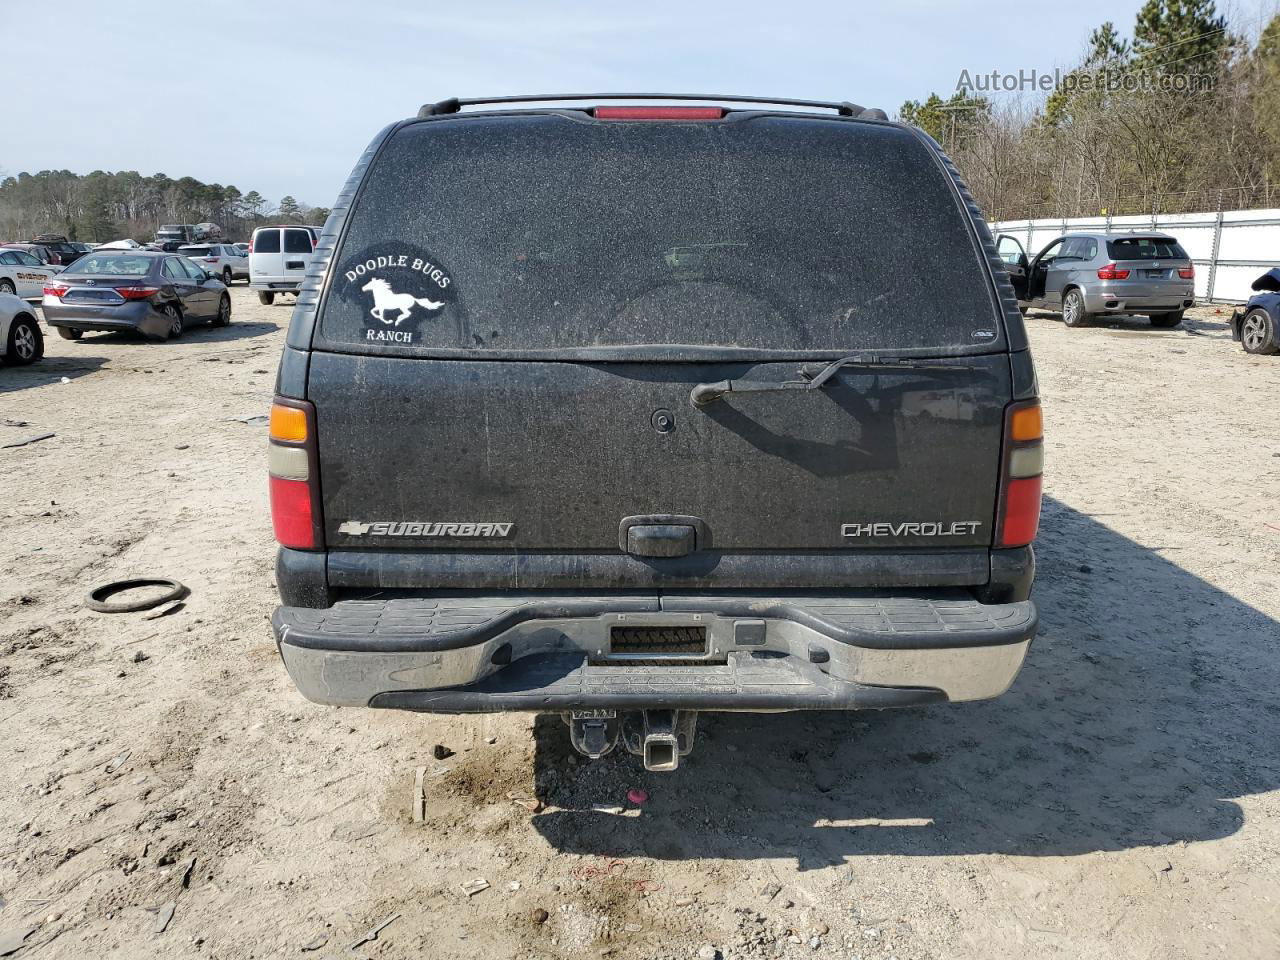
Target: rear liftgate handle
[662, 535]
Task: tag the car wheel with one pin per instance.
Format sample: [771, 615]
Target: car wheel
[174, 318]
[226, 276]
[1167, 320]
[1258, 332]
[26, 343]
[67, 333]
[6, 287]
[224, 312]
[266, 298]
[1073, 311]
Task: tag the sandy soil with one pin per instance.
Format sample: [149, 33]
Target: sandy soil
[1122, 801]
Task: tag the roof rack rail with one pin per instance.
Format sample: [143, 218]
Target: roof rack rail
[844, 109]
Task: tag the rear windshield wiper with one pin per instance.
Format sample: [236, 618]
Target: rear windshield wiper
[813, 377]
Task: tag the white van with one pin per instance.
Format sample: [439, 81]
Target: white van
[278, 258]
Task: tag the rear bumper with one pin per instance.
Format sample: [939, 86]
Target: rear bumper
[275, 284]
[483, 654]
[1122, 301]
[136, 315]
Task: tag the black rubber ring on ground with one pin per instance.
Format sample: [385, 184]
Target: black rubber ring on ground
[96, 598]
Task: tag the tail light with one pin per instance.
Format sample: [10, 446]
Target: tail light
[1018, 516]
[658, 113]
[1187, 273]
[56, 290]
[294, 475]
[137, 293]
[1112, 272]
[250, 250]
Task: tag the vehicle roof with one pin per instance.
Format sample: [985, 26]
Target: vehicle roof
[452, 106]
[1128, 234]
[135, 252]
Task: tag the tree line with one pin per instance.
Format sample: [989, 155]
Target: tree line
[1182, 115]
[102, 206]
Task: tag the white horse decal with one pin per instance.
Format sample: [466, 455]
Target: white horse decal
[384, 299]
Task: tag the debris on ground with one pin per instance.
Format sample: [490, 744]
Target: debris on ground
[472, 887]
[419, 805]
[165, 611]
[638, 796]
[532, 804]
[539, 916]
[441, 752]
[314, 945]
[252, 419]
[97, 597]
[372, 933]
[23, 443]
[141, 657]
[11, 941]
[164, 915]
[118, 761]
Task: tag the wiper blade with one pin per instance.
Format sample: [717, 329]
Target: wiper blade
[813, 377]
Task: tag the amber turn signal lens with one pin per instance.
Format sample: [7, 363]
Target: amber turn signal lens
[1026, 424]
[288, 423]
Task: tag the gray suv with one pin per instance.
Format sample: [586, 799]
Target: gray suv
[1089, 274]
[629, 412]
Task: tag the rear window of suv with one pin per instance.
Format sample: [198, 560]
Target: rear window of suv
[551, 234]
[266, 241]
[297, 241]
[1145, 248]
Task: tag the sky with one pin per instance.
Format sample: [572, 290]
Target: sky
[281, 96]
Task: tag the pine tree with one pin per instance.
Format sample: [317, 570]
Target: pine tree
[1179, 36]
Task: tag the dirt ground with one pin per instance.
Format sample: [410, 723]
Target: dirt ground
[166, 793]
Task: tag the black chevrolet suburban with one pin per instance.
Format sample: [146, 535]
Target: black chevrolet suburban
[627, 412]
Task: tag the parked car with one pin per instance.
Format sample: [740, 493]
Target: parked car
[278, 258]
[242, 249]
[220, 259]
[156, 294]
[62, 251]
[1085, 275]
[21, 341]
[24, 275]
[37, 250]
[184, 233]
[1257, 326]
[522, 459]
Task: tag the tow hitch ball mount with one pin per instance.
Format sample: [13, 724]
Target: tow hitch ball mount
[661, 737]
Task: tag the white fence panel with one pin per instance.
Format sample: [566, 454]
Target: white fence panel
[1230, 249]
